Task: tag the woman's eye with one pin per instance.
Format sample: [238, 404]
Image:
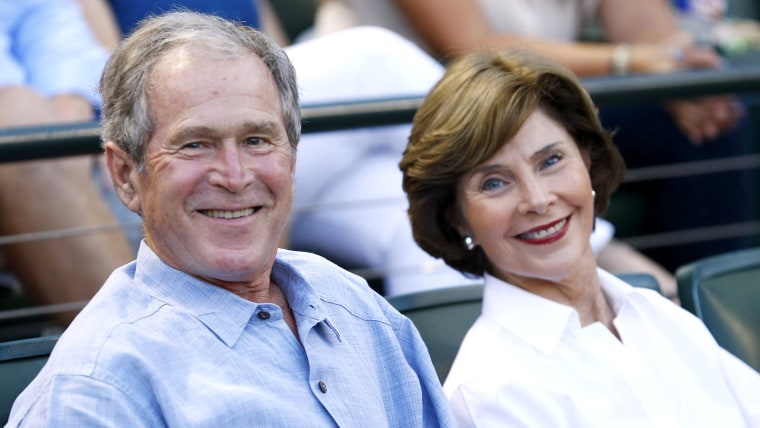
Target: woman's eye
[492, 184]
[551, 160]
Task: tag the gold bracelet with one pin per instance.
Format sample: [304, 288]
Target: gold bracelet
[621, 59]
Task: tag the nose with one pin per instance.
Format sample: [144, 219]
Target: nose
[230, 171]
[534, 198]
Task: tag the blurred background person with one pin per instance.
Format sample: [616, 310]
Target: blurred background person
[507, 166]
[49, 68]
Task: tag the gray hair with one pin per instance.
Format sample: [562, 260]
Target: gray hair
[126, 117]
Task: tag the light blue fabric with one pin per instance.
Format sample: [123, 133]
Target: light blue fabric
[156, 347]
[47, 45]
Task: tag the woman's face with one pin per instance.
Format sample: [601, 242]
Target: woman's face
[530, 207]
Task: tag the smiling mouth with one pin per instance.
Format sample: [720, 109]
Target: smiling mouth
[228, 214]
[543, 233]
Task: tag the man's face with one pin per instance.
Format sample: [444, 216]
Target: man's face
[217, 185]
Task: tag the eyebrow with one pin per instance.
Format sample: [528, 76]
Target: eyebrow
[537, 155]
[266, 127]
[544, 151]
[251, 127]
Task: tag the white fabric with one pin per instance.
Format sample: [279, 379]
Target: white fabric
[526, 362]
[381, 13]
[603, 233]
[349, 205]
[552, 19]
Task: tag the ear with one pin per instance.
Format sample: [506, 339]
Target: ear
[124, 175]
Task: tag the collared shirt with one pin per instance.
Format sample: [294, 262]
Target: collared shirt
[527, 362]
[47, 45]
[157, 347]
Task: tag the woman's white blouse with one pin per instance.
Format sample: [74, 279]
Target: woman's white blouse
[526, 362]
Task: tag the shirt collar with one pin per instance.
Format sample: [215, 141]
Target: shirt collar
[295, 276]
[618, 292]
[221, 311]
[512, 307]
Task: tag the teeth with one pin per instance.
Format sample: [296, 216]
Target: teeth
[546, 232]
[228, 214]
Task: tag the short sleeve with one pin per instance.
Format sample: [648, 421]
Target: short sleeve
[58, 50]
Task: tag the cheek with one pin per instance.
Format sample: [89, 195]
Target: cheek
[581, 197]
[174, 175]
[170, 186]
[489, 219]
[281, 168]
[577, 185]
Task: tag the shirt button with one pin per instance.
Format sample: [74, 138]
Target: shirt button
[263, 315]
[322, 386]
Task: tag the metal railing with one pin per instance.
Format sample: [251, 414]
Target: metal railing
[34, 143]
[19, 144]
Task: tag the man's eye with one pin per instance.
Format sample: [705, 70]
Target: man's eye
[193, 145]
[254, 141]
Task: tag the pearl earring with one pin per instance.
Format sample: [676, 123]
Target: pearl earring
[593, 194]
[469, 243]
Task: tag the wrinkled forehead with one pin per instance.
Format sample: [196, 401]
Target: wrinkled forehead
[190, 70]
[186, 55]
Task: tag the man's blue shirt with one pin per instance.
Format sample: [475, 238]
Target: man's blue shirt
[157, 347]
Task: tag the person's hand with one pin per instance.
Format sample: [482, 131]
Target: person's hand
[655, 58]
[700, 119]
[704, 119]
[676, 53]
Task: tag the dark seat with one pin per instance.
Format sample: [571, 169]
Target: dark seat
[20, 361]
[444, 315]
[724, 292]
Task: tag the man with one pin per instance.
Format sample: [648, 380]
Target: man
[212, 325]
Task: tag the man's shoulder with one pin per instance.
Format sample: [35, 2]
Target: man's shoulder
[310, 267]
[331, 284]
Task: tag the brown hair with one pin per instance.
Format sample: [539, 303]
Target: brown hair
[480, 103]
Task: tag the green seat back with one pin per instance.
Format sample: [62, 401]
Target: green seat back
[442, 317]
[724, 292]
[20, 361]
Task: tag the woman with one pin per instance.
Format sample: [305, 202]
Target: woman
[640, 36]
[506, 167]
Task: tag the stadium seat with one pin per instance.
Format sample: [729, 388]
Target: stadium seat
[724, 292]
[20, 361]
